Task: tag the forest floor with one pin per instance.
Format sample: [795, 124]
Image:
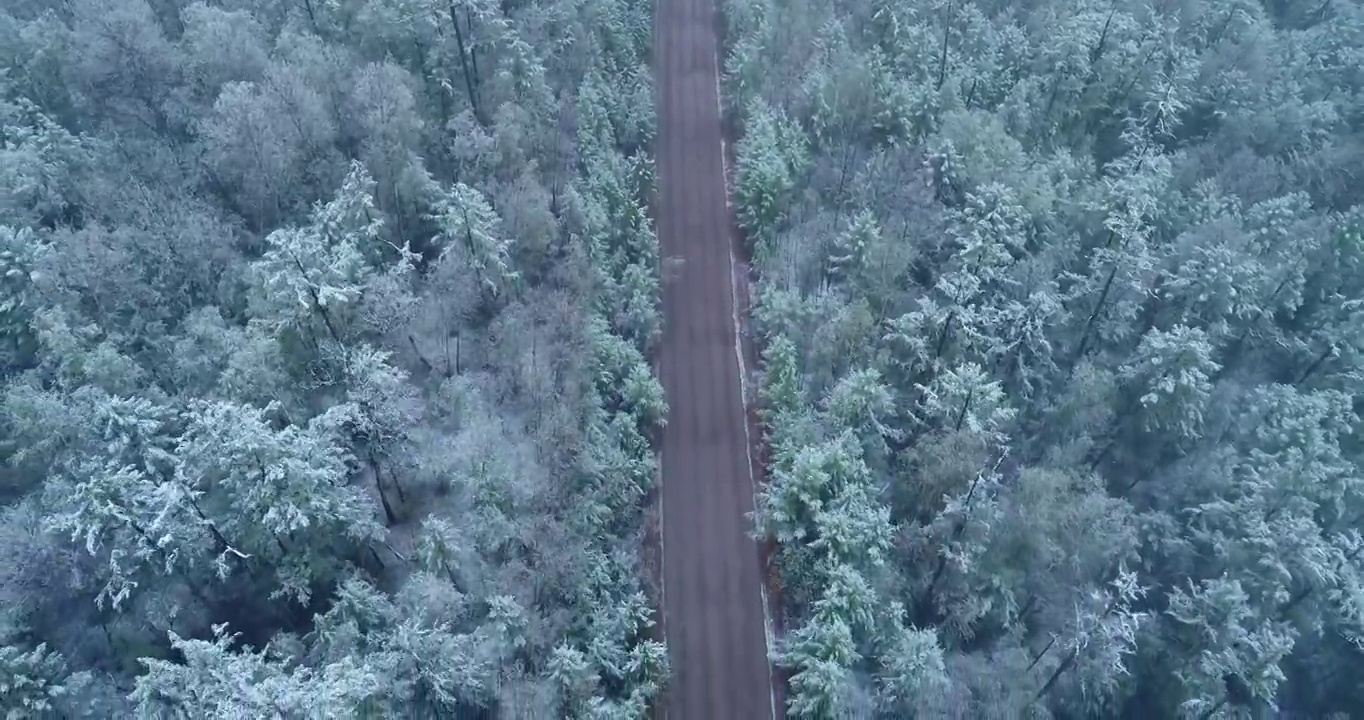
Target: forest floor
[714, 612]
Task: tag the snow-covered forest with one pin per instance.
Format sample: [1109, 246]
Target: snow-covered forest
[327, 337]
[325, 390]
[1062, 314]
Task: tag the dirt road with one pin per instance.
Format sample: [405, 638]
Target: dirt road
[712, 582]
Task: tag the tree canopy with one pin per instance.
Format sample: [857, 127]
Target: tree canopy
[1056, 307]
[325, 380]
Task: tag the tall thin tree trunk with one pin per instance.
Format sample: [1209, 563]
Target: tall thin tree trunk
[312, 17]
[473, 50]
[470, 83]
[942, 59]
[965, 405]
[383, 496]
[1316, 365]
[1093, 318]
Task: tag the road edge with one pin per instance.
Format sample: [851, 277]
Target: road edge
[742, 290]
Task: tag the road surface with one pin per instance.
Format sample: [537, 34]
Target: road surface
[713, 607]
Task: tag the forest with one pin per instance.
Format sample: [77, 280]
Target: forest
[327, 379]
[325, 389]
[1060, 306]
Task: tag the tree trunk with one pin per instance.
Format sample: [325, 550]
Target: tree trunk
[420, 357]
[1316, 365]
[965, 405]
[389, 515]
[470, 82]
[942, 58]
[944, 334]
[1093, 318]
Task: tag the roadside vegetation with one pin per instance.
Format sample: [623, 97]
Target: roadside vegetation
[326, 335]
[1059, 307]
